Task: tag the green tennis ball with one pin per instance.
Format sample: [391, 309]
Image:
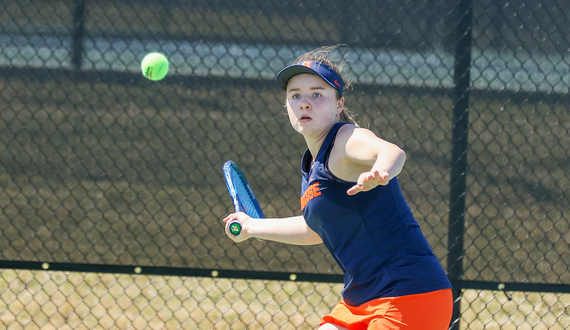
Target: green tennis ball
[154, 66]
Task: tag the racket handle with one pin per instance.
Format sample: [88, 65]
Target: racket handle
[235, 227]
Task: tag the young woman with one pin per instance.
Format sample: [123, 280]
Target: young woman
[351, 201]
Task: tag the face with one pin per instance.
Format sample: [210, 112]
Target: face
[312, 104]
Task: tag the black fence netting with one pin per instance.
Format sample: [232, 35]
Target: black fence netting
[104, 173]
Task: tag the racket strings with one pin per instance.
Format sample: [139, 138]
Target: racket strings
[245, 198]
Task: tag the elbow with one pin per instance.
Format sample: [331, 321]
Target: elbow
[403, 155]
[400, 160]
[399, 154]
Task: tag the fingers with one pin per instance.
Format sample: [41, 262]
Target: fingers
[380, 178]
[230, 217]
[384, 179]
[241, 218]
[368, 181]
[353, 191]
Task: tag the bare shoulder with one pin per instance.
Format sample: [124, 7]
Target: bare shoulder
[354, 152]
[361, 145]
[358, 138]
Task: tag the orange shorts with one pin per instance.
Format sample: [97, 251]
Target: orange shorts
[425, 311]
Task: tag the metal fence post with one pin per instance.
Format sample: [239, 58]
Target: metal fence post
[77, 34]
[459, 151]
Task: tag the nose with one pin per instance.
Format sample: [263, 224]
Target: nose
[305, 105]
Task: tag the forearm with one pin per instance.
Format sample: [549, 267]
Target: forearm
[292, 230]
[390, 159]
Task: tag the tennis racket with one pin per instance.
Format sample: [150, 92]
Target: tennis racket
[241, 194]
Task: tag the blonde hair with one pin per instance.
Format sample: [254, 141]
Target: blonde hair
[330, 55]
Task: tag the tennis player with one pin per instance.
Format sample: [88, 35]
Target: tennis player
[351, 201]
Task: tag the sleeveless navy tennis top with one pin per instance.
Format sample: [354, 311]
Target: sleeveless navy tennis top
[372, 235]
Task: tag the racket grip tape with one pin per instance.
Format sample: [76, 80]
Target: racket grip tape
[235, 227]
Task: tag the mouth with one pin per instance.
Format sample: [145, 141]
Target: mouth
[305, 118]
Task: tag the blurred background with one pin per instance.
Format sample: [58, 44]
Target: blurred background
[102, 170]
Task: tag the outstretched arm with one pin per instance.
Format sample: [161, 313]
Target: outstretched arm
[292, 230]
[370, 160]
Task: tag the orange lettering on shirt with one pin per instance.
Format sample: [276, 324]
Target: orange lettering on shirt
[313, 191]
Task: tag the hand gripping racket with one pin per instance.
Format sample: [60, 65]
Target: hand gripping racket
[242, 195]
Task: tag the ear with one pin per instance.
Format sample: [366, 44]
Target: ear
[340, 105]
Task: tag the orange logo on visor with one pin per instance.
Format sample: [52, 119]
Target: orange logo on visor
[307, 64]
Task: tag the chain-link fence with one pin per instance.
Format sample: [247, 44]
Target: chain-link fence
[111, 192]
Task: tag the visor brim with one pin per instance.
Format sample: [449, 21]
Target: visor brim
[289, 72]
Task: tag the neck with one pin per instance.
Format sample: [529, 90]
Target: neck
[314, 143]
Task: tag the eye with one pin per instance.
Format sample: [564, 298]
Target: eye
[316, 95]
[296, 96]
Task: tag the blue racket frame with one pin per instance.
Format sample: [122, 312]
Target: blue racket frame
[242, 196]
